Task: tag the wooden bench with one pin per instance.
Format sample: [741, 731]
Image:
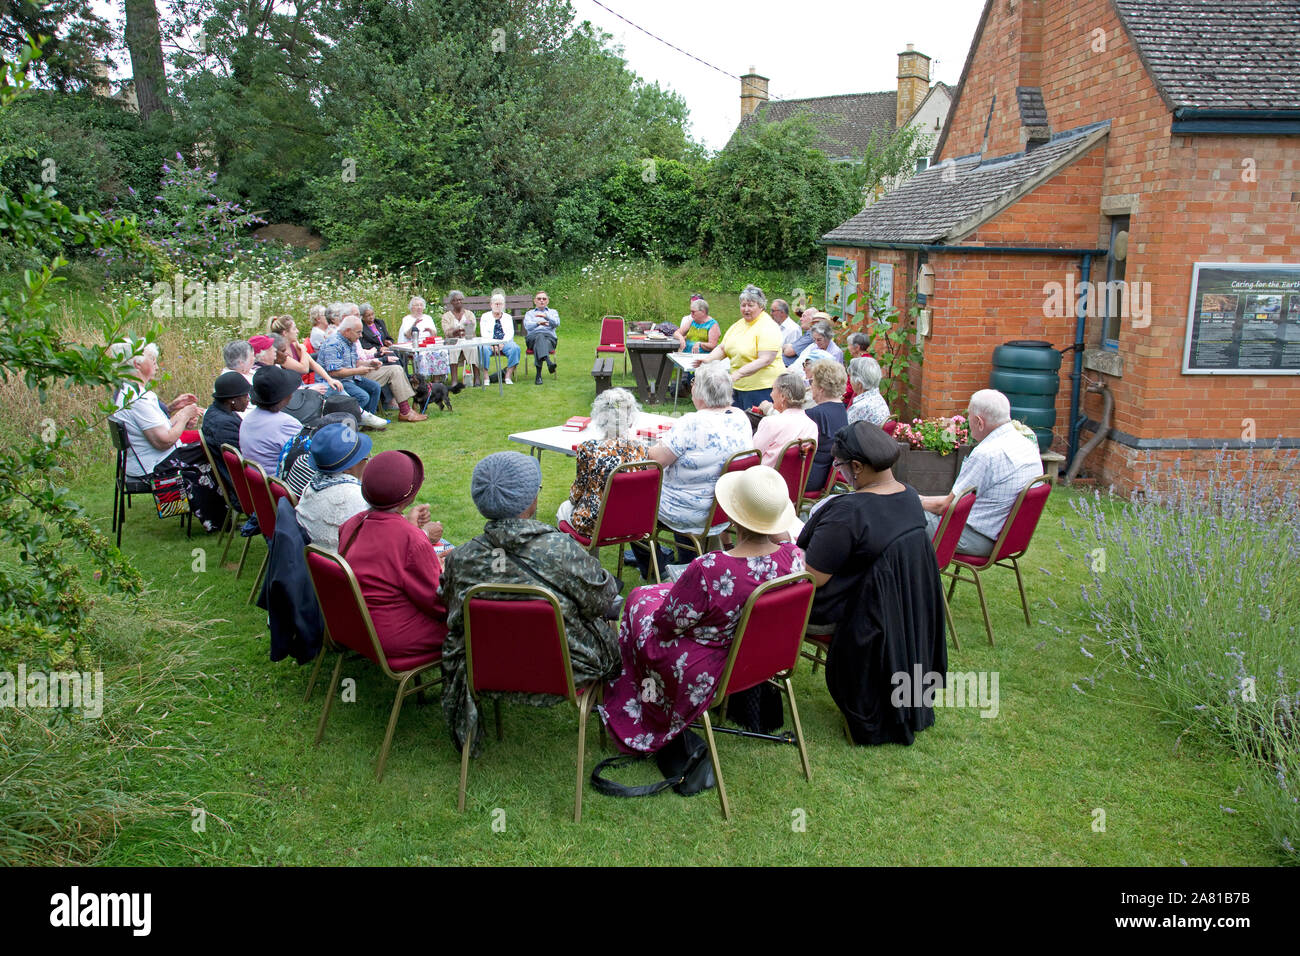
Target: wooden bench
[603, 372]
[516, 305]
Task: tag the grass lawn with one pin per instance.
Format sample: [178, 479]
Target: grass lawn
[1021, 788]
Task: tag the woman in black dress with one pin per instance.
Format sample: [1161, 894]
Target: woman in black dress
[878, 585]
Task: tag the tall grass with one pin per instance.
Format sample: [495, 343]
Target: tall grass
[1193, 589]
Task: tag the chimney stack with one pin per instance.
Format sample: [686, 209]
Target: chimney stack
[913, 83]
[753, 92]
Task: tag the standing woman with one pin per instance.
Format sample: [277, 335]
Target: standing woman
[458, 323]
[878, 591]
[751, 347]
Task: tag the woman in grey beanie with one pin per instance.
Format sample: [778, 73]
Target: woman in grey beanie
[514, 548]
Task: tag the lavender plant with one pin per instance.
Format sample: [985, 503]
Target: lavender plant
[1192, 590]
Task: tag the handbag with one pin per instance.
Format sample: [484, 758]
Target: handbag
[169, 496]
[684, 762]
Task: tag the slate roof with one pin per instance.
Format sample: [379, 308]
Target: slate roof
[947, 201]
[845, 122]
[1231, 54]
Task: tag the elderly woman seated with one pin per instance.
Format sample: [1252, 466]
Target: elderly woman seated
[394, 560]
[674, 639]
[515, 548]
[222, 420]
[822, 341]
[878, 590]
[828, 412]
[868, 404]
[784, 418]
[238, 356]
[156, 433]
[693, 454]
[613, 415]
[268, 426]
[340, 454]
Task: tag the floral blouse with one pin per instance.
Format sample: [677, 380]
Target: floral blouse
[702, 442]
[596, 459]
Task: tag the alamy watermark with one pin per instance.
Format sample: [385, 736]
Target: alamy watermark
[83, 690]
[954, 689]
[1129, 300]
[208, 300]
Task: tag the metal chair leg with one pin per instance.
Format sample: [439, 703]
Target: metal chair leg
[584, 710]
[496, 705]
[315, 671]
[1024, 604]
[464, 772]
[717, 767]
[654, 561]
[947, 613]
[979, 587]
[329, 699]
[242, 555]
[798, 730]
[392, 725]
[257, 581]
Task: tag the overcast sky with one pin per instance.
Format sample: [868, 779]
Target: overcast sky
[805, 47]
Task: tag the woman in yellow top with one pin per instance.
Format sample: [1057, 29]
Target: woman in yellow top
[751, 346]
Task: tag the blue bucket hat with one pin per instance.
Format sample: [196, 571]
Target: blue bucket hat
[338, 447]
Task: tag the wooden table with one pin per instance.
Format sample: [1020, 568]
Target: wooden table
[566, 443]
[650, 365]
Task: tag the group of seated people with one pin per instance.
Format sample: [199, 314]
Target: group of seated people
[869, 552]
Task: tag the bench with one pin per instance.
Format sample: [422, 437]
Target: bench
[603, 372]
[516, 305]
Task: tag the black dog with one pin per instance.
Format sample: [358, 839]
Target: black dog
[438, 395]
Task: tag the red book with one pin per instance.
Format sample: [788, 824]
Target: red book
[576, 424]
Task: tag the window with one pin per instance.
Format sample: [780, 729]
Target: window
[922, 163]
[1111, 296]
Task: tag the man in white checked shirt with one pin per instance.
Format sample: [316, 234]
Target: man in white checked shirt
[998, 469]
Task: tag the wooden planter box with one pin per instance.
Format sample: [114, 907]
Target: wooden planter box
[929, 472]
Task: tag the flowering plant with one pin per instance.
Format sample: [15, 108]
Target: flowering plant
[934, 434]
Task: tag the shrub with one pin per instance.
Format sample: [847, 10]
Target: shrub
[1192, 592]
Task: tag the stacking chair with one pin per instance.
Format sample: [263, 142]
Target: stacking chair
[517, 644]
[1012, 543]
[945, 541]
[259, 493]
[717, 520]
[239, 484]
[765, 650]
[613, 337]
[794, 463]
[124, 485]
[629, 511]
[233, 510]
[349, 628]
[813, 495]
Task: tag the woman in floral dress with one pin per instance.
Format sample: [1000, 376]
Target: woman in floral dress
[613, 416]
[415, 328]
[674, 639]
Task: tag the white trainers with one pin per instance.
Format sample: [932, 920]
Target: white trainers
[510, 381]
[373, 421]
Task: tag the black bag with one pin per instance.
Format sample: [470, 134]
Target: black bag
[684, 762]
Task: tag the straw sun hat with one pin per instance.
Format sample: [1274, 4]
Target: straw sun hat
[757, 499]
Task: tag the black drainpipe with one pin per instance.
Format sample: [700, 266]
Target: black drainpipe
[1076, 377]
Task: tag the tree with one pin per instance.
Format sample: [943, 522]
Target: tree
[74, 45]
[770, 197]
[887, 160]
[144, 41]
[44, 607]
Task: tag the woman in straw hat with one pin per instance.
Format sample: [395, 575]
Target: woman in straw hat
[674, 639]
[878, 591]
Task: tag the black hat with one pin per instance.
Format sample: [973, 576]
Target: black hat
[230, 385]
[273, 384]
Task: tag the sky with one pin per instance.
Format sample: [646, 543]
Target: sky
[804, 47]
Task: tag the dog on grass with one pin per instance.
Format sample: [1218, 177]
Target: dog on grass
[439, 395]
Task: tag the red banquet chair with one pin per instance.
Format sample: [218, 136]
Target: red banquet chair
[239, 484]
[813, 495]
[518, 644]
[889, 427]
[794, 463]
[613, 337]
[765, 650]
[259, 494]
[945, 541]
[717, 520]
[1012, 543]
[233, 509]
[629, 511]
[349, 628]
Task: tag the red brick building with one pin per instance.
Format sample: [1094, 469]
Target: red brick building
[1124, 141]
